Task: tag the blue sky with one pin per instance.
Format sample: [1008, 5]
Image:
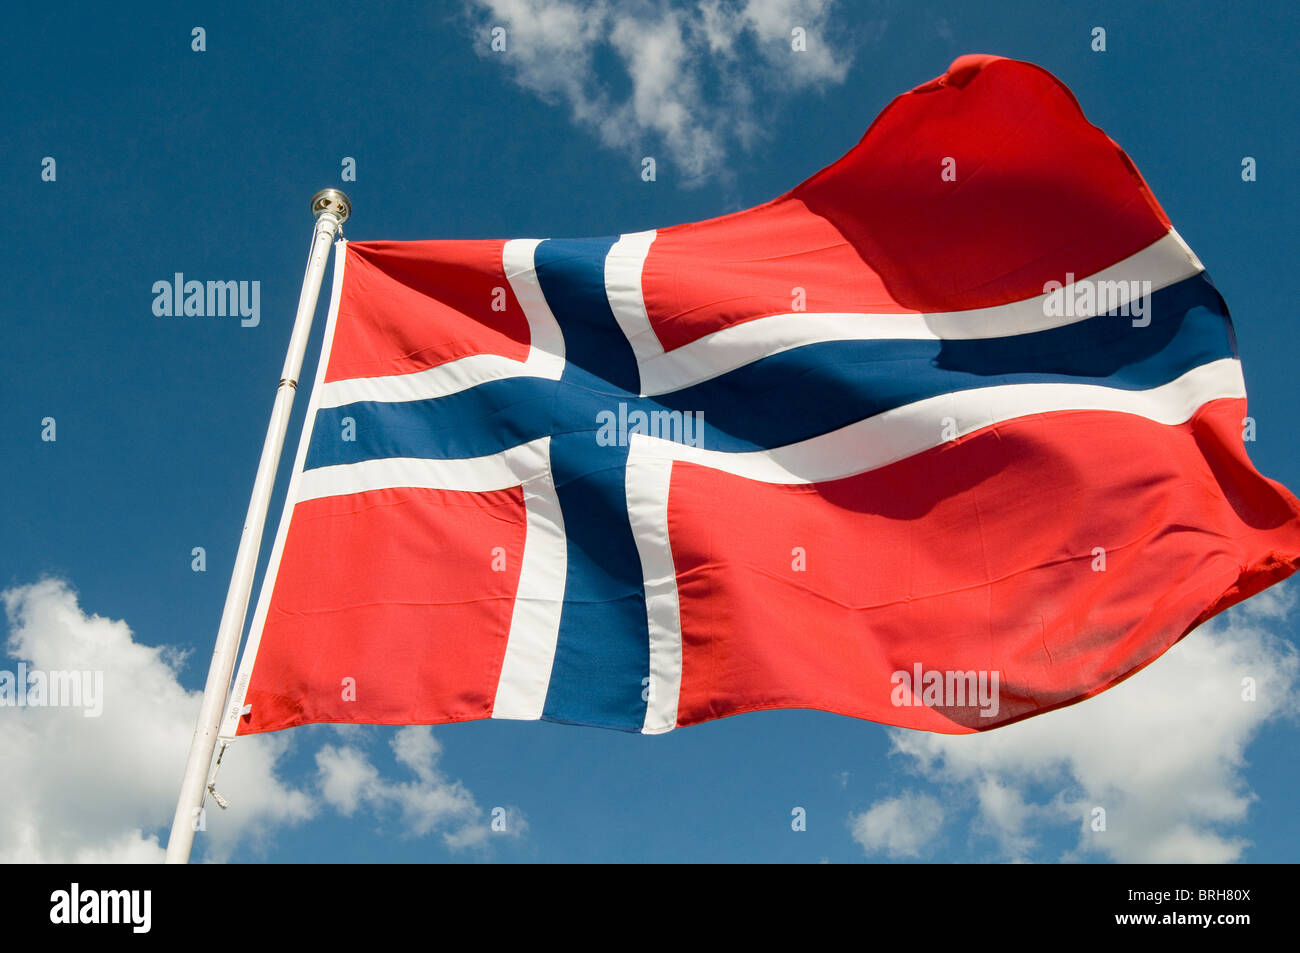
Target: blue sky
[169, 159]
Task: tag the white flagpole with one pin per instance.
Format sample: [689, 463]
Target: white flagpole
[331, 208]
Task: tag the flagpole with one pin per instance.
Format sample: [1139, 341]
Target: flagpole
[331, 209]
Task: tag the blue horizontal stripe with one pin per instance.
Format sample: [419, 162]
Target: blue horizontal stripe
[789, 396]
[819, 388]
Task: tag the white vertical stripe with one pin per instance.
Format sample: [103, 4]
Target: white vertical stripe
[626, 294]
[546, 343]
[535, 625]
[648, 480]
[539, 599]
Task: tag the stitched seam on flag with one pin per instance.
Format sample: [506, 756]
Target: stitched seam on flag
[243, 678]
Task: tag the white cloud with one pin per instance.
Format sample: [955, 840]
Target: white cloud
[102, 790]
[346, 777]
[901, 826]
[691, 78]
[430, 802]
[1162, 753]
[96, 790]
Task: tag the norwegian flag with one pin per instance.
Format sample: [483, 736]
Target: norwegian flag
[947, 436]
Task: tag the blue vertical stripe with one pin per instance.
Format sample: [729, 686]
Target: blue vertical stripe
[602, 651]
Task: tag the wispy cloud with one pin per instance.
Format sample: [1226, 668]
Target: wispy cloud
[697, 80]
[1162, 755]
[427, 803]
[902, 826]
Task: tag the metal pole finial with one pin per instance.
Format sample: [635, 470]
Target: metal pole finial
[331, 200]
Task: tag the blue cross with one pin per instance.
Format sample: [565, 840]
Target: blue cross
[602, 648]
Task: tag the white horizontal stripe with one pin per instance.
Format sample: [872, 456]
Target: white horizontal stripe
[1165, 262]
[904, 431]
[647, 483]
[449, 378]
[545, 350]
[499, 471]
[624, 290]
[535, 624]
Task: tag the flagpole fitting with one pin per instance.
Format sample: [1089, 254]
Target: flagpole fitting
[331, 208]
[332, 201]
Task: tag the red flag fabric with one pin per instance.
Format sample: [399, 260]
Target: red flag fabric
[949, 435]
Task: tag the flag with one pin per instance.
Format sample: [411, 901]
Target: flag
[951, 434]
